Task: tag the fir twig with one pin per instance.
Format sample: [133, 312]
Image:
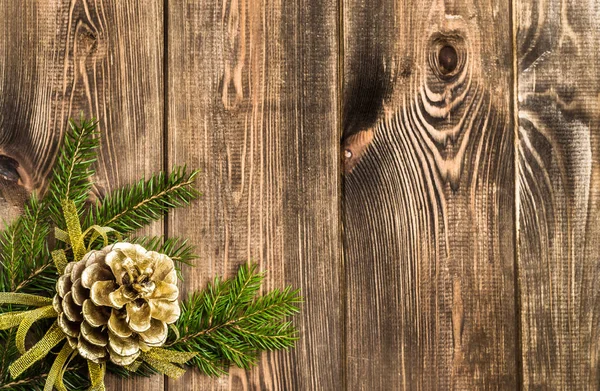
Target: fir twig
[228, 322]
[73, 168]
[135, 206]
[9, 255]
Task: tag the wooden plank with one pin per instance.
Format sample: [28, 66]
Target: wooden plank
[103, 58]
[30, 46]
[558, 192]
[252, 101]
[429, 210]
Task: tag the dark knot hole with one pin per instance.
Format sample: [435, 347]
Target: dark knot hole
[448, 59]
[8, 169]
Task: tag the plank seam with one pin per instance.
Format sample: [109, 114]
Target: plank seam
[515, 112]
[342, 201]
[165, 123]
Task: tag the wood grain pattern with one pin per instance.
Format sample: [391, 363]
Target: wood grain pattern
[102, 58]
[558, 192]
[429, 210]
[30, 79]
[422, 290]
[252, 101]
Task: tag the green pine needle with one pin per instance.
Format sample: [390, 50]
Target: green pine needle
[24, 248]
[228, 323]
[135, 206]
[73, 168]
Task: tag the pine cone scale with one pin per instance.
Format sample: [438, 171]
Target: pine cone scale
[93, 335]
[71, 309]
[156, 335]
[97, 316]
[79, 293]
[164, 310]
[118, 324]
[100, 292]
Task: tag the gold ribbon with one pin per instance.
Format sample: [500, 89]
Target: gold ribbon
[60, 260]
[28, 320]
[53, 336]
[8, 320]
[97, 372]
[134, 366]
[61, 235]
[73, 228]
[103, 232]
[164, 360]
[57, 370]
[24, 299]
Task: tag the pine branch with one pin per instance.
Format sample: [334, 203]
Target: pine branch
[24, 249]
[135, 206]
[228, 322]
[73, 169]
[24, 254]
[10, 255]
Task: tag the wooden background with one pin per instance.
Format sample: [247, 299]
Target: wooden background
[427, 172]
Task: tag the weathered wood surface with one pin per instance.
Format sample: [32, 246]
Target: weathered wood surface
[429, 210]
[448, 159]
[252, 101]
[558, 44]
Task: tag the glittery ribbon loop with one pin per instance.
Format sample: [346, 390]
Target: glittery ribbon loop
[73, 228]
[8, 320]
[164, 360]
[57, 370]
[28, 320]
[24, 299]
[97, 372]
[60, 260]
[61, 235]
[53, 336]
[99, 231]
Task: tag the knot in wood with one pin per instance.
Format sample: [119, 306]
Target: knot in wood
[447, 55]
[447, 59]
[8, 169]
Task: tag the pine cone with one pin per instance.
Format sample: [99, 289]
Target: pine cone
[117, 301]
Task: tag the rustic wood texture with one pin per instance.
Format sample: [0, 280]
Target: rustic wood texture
[471, 198]
[31, 48]
[102, 58]
[429, 210]
[252, 101]
[558, 44]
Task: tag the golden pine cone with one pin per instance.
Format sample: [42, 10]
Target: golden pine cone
[116, 302]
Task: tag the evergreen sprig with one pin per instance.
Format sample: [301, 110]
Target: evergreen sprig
[73, 168]
[24, 248]
[229, 322]
[137, 205]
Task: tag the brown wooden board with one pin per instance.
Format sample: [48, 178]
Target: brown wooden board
[102, 58]
[558, 43]
[429, 210]
[252, 101]
[32, 88]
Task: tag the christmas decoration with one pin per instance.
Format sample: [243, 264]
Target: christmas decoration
[81, 295]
